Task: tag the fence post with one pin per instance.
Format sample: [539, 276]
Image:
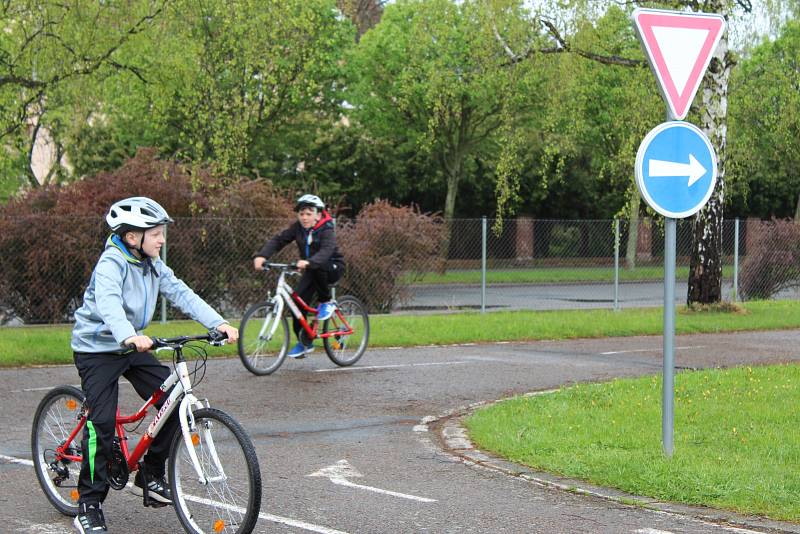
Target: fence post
[164, 259]
[483, 264]
[736, 260]
[616, 264]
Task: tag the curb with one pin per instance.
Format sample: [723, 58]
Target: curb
[448, 434]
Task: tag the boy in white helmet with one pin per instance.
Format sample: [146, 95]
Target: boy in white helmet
[320, 260]
[117, 305]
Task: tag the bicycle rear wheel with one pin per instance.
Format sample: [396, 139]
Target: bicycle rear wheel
[345, 349]
[56, 417]
[230, 499]
[261, 350]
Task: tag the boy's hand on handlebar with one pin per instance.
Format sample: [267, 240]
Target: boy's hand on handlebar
[302, 264]
[139, 343]
[231, 332]
[259, 262]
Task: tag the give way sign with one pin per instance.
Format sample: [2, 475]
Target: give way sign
[679, 47]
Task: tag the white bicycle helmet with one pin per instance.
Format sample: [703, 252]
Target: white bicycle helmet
[309, 201]
[136, 213]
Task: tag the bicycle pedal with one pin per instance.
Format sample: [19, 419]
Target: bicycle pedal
[155, 504]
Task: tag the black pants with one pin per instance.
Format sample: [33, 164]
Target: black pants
[317, 281]
[99, 380]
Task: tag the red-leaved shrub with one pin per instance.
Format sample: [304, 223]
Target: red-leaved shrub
[773, 259]
[50, 238]
[386, 247]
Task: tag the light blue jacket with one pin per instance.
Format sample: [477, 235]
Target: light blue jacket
[121, 299]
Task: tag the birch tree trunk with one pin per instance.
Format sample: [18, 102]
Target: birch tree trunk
[705, 267]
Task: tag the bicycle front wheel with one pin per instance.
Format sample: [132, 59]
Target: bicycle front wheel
[345, 349]
[263, 339]
[56, 418]
[229, 498]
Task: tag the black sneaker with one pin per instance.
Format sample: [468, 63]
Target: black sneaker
[157, 488]
[90, 519]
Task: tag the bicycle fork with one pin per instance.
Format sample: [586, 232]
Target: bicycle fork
[189, 430]
[277, 311]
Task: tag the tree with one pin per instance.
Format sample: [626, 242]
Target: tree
[433, 77]
[765, 125]
[705, 275]
[241, 86]
[45, 45]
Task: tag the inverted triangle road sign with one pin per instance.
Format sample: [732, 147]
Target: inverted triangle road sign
[679, 47]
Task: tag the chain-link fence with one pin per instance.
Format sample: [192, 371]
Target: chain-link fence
[531, 264]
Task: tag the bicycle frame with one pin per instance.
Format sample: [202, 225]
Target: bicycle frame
[286, 296]
[180, 397]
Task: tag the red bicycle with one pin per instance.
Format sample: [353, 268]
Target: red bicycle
[264, 335]
[213, 469]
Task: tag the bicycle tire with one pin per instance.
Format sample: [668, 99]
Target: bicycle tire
[347, 350]
[56, 417]
[262, 356]
[208, 508]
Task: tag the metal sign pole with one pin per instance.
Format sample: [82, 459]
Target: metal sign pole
[483, 264]
[667, 410]
[675, 151]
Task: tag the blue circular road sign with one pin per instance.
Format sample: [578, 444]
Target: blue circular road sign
[676, 169]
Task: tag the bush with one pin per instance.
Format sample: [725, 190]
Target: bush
[50, 238]
[383, 243]
[773, 261]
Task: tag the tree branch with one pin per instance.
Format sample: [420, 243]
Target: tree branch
[562, 46]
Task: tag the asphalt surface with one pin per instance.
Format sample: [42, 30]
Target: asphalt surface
[383, 420]
[542, 296]
[552, 296]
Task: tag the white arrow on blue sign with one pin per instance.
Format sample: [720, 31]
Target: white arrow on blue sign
[676, 169]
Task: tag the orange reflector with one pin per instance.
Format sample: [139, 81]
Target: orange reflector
[74, 495]
[196, 442]
[72, 404]
[219, 525]
[336, 345]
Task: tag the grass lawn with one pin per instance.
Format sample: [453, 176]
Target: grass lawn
[50, 344]
[737, 437]
[551, 275]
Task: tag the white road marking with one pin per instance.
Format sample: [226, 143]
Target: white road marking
[268, 517]
[11, 459]
[338, 473]
[651, 531]
[344, 482]
[655, 349]
[367, 367]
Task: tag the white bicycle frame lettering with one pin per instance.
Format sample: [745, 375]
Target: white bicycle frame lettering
[183, 387]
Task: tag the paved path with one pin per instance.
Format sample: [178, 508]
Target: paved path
[311, 415]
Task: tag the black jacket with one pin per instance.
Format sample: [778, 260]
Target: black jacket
[317, 245]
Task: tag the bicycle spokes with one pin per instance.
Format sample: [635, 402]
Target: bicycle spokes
[215, 476]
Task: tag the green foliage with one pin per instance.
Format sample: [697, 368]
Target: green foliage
[48, 50]
[765, 126]
[433, 76]
[241, 87]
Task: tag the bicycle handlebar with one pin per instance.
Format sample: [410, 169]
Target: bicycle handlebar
[213, 337]
[291, 268]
